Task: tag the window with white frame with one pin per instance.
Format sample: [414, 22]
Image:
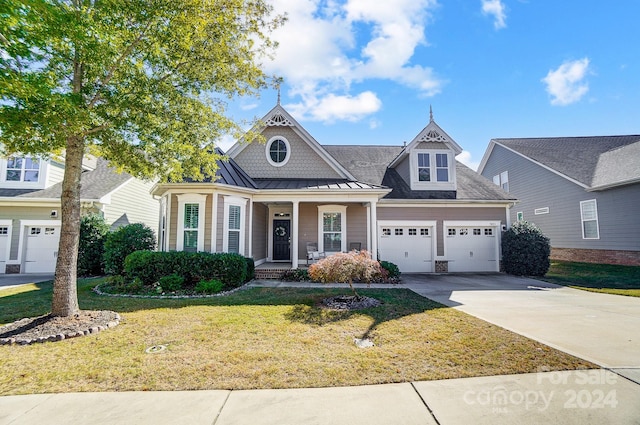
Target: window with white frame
[278, 151]
[332, 228]
[234, 224]
[191, 222]
[589, 218]
[433, 170]
[502, 180]
[22, 169]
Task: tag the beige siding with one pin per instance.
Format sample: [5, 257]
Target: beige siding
[23, 213]
[55, 173]
[220, 223]
[442, 214]
[357, 225]
[303, 163]
[307, 227]
[207, 223]
[132, 203]
[260, 228]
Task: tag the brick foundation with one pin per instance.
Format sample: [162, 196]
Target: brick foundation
[597, 256]
[12, 269]
[442, 266]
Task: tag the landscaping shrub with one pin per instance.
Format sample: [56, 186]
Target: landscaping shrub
[93, 230]
[525, 250]
[170, 283]
[209, 286]
[346, 267]
[124, 241]
[251, 269]
[392, 270]
[295, 275]
[150, 266]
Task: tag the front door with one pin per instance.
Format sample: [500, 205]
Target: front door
[281, 240]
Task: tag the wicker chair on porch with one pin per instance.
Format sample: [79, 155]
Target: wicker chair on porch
[313, 254]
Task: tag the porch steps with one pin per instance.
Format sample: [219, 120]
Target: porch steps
[269, 273]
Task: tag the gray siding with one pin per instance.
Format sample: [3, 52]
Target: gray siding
[404, 169]
[537, 187]
[441, 214]
[303, 163]
[133, 203]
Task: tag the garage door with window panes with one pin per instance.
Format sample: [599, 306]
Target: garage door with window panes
[471, 249]
[409, 247]
[41, 250]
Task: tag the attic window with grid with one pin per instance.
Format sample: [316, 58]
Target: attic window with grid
[278, 151]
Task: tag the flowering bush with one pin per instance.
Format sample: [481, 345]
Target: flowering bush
[348, 267]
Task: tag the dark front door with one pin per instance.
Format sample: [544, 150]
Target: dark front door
[281, 240]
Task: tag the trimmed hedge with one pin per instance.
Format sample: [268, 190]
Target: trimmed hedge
[122, 242]
[525, 250]
[93, 231]
[150, 266]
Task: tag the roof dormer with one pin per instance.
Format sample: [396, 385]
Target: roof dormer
[429, 161]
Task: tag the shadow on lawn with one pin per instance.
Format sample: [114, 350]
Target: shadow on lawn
[305, 303]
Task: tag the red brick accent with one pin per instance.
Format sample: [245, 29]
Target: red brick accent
[597, 256]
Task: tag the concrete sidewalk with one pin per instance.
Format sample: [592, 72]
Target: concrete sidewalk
[569, 397]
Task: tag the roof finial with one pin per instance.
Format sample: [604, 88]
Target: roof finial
[430, 114]
[278, 82]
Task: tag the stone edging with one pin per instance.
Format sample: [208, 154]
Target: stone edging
[58, 337]
[98, 291]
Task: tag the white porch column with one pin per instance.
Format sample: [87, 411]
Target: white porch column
[374, 229]
[294, 235]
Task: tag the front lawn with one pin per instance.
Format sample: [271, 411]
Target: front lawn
[262, 338]
[609, 279]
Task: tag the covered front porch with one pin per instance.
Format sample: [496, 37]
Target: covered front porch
[283, 230]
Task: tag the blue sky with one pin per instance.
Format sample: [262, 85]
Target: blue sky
[366, 72]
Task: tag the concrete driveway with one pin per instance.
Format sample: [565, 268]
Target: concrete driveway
[601, 328]
[10, 280]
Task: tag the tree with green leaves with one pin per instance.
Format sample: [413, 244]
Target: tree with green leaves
[142, 83]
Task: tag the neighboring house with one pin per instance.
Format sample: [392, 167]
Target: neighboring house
[30, 192]
[583, 192]
[413, 205]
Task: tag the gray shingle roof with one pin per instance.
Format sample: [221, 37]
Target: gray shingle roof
[592, 161]
[94, 185]
[369, 164]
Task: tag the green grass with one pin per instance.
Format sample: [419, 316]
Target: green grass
[262, 338]
[605, 278]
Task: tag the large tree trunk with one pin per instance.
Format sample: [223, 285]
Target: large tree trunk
[65, 293]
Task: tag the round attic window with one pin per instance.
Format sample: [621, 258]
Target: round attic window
[278, 151]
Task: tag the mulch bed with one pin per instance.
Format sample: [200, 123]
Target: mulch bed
[350, 302]
[48, 328]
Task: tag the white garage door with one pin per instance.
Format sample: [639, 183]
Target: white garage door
[472, 249]
[41, 249]
[409, 247]
[4, 247]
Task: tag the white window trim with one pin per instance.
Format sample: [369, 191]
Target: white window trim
[342, 209]
[582, 220]
[238, 202]
[191, 198]
[42, 175]
[432, 185]
[268, 154]
[519, 216]
[502, 179]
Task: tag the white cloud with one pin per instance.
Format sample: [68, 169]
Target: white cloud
[465, 158]
[330, 107]
[326, 45]
[566, 84]
[497, 9]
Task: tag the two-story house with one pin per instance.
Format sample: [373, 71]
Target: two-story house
[413, 205]
[30, 190]
[582, 192]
